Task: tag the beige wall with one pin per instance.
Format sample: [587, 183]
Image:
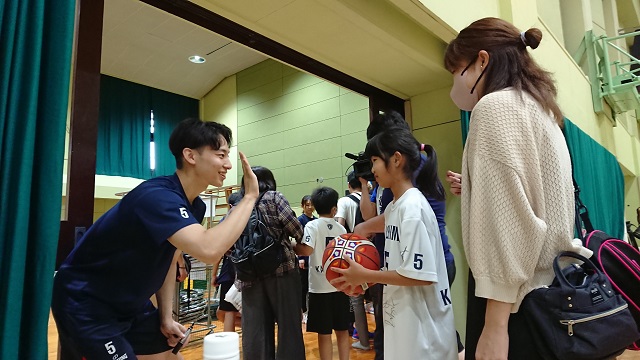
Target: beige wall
[299, 126]
[220, 105]
[101, 206]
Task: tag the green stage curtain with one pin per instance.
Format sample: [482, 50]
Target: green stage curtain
[600, 179]
[465, 116]
[168, 110]
[35, 45]
[598, 174]
[124, 127]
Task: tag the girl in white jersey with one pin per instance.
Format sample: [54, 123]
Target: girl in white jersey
[418, 315]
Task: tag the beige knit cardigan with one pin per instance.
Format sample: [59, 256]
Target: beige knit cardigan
[517, 196]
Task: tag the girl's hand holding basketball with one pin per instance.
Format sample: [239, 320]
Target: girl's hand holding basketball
[351, 279]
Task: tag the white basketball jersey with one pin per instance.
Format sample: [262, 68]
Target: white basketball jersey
[317, 234]
[418, 320]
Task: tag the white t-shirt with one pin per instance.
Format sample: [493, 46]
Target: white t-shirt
[347, 209]
[418, 320]
[317, 234]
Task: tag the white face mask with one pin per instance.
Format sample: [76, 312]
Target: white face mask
[460, 94]
[463, 98]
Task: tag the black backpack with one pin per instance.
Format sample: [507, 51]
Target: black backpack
[256, 253]
[358, 218]
[620, 263]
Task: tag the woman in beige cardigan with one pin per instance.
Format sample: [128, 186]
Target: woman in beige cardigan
[516, 188]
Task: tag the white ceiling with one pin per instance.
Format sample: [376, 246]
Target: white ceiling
[148, 46]
[395, 45]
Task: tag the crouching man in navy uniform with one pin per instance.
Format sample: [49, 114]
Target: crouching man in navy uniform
[101, 292]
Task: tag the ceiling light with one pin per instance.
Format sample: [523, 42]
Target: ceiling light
[197, 59]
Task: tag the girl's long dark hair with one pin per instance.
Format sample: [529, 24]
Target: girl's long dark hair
[424, 175]
[266, 180]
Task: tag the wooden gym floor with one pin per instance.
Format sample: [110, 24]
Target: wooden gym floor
[194, 351]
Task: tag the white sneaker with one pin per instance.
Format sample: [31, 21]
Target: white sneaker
[304, 318]
[358, 345]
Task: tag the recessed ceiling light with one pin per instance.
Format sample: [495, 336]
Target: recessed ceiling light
[197, 59]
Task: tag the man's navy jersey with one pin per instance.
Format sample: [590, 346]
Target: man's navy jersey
[124, 257]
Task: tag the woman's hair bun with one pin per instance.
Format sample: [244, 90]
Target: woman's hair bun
[532, 37]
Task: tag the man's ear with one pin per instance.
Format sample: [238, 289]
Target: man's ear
[189, 156]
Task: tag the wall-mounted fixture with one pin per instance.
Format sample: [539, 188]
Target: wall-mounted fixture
[615, 81]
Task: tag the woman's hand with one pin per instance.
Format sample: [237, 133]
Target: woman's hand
[455, 181]
[493, 343]
[494, 340]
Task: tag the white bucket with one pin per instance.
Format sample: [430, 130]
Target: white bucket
[222, 346]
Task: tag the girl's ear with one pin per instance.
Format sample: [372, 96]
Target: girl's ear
[397, 159]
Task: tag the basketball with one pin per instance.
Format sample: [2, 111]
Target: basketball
[354, 246]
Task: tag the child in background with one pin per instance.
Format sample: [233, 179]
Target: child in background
[418, 315]
[303, 261]
[227, 312]
[328, 308]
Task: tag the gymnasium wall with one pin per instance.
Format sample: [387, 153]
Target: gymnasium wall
[299, 126]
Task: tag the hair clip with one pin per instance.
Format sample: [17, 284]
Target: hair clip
[523, 38]
[421, 147]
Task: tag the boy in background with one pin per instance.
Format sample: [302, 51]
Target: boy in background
[328, 307]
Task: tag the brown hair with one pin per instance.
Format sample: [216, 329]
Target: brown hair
[510, 64]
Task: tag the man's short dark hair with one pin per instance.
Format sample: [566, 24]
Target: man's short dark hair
[324, 199]
[194, 134]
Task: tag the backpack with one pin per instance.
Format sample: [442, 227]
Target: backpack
[256, 253]
[620, 262]
[358, 218]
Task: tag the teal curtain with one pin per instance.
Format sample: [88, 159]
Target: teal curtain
[35, 45]
[168, 110]
[465, 116]
[600, 179]
[598, 174]
[124, 127]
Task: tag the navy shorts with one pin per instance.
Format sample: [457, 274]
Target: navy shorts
[328, 312]
[107, 337]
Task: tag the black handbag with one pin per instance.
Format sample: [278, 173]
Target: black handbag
[579, 316]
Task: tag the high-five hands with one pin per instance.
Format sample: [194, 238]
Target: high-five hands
[250, 179]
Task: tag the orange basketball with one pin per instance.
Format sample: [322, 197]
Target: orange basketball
[353, 246]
